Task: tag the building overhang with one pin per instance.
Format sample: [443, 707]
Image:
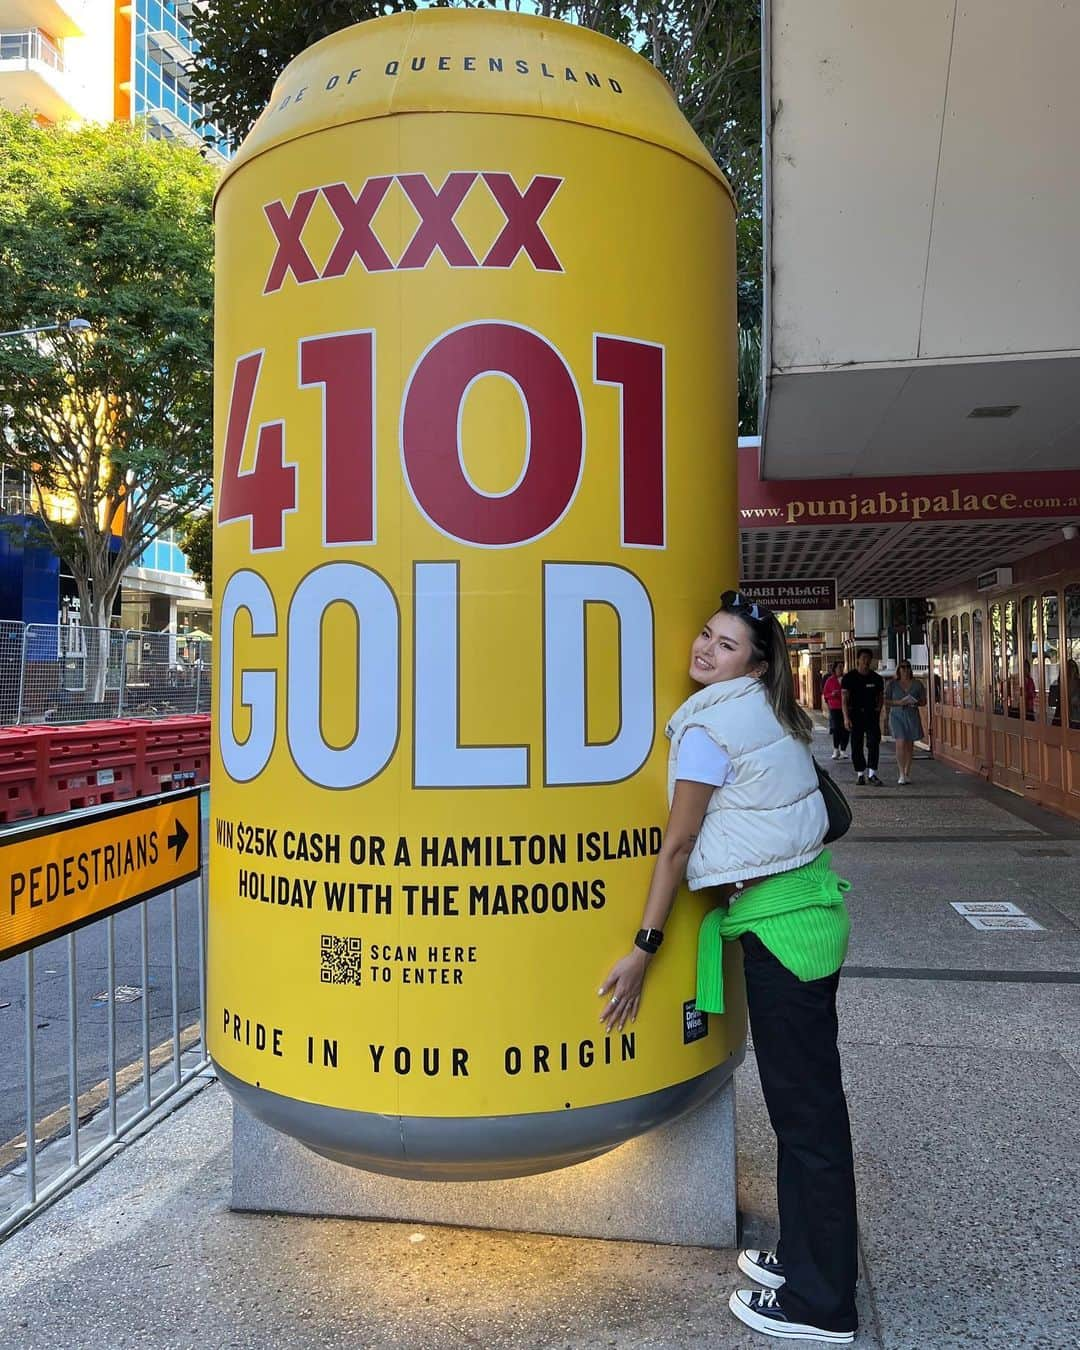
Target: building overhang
[151, 581]
[922, 307]
[31, 83]
[901, 535]
[60, 18]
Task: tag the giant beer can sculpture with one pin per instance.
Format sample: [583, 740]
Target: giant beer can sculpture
[475, 490]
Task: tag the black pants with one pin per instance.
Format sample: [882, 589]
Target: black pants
[871, 732]
[837, 730]
[794, 1028]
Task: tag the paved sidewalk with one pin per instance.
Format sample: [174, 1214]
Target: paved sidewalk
[962, 1057]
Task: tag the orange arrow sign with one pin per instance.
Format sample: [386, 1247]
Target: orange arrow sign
[60, 875]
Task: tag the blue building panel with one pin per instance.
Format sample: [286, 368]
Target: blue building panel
[163, 49]
[29, 574]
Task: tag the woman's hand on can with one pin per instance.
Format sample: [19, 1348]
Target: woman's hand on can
[622, 990]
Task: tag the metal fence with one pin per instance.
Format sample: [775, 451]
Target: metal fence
[72, 673]
[84, 1087]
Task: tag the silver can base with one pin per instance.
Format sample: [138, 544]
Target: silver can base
[476, 1148]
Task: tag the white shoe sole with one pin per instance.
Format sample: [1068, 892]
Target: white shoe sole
[792, 1331]
[759, 1273]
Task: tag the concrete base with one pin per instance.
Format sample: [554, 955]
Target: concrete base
[675, 1184]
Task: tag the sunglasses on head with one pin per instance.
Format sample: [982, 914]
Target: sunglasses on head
[739, 604]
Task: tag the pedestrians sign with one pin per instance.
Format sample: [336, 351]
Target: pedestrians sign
[60, 875]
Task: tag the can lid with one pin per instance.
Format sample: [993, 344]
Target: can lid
[473, 61]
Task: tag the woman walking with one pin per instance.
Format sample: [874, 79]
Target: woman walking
[748, 820]
[832, 697]
[904, 697]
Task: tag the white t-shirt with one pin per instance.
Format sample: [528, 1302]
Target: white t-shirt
[701, 760]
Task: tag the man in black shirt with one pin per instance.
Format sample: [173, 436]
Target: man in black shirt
[863, 692]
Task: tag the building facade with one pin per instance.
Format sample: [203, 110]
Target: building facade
[103, 60]
[920, 427]
[1005, 676]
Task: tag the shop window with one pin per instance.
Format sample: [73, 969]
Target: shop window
[936, 692]
[1050, 666]
[954, 659]
[1029, 654]
[1071, 693]
[997, 676]
[1012, 658]
[977, 658]
[947, 662]
[965, 658]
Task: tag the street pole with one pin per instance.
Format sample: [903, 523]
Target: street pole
[70, 325]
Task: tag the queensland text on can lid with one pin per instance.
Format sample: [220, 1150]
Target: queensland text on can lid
[548, 69]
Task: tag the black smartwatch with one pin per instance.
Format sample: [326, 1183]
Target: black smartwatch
[649, 940]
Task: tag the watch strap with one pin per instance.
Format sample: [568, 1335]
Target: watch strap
[649, 939]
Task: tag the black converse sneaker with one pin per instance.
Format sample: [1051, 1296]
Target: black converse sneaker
[760, 1310]
[761, 1266]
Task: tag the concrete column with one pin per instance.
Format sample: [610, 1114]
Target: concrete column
[675, 1184]
[868, 623]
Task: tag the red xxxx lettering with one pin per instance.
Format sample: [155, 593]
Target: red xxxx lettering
[437, 230]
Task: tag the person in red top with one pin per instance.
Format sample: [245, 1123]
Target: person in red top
[833, 703]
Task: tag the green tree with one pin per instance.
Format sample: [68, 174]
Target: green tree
[197, 543]
[114, 425]
[246, 44]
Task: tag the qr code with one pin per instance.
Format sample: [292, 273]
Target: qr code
[340, 957]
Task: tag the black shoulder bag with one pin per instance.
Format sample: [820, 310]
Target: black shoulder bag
[836, 804]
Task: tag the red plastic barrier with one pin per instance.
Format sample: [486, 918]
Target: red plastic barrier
[92, 764]
[177, 753]
[47, 770]
[23, 764]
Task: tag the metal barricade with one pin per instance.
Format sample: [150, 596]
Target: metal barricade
[12, 637]
[114, 1086]
[69, 673]
[165, 675]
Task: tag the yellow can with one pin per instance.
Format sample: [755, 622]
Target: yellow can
[475, 493]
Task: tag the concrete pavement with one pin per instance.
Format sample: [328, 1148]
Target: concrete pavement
[962, 1058]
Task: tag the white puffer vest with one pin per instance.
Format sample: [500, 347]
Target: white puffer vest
[769, 816]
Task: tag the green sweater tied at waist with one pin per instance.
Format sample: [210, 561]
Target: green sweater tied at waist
[799, 915]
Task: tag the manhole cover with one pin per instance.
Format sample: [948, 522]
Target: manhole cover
[994, 922]
[123, 993]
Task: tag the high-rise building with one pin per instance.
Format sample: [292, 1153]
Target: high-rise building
[58, 58]
[99, 60]
[154, 53]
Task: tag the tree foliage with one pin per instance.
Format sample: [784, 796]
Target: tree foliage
[709, 51]
[246, 44]
[113, 425]
[197, 543]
